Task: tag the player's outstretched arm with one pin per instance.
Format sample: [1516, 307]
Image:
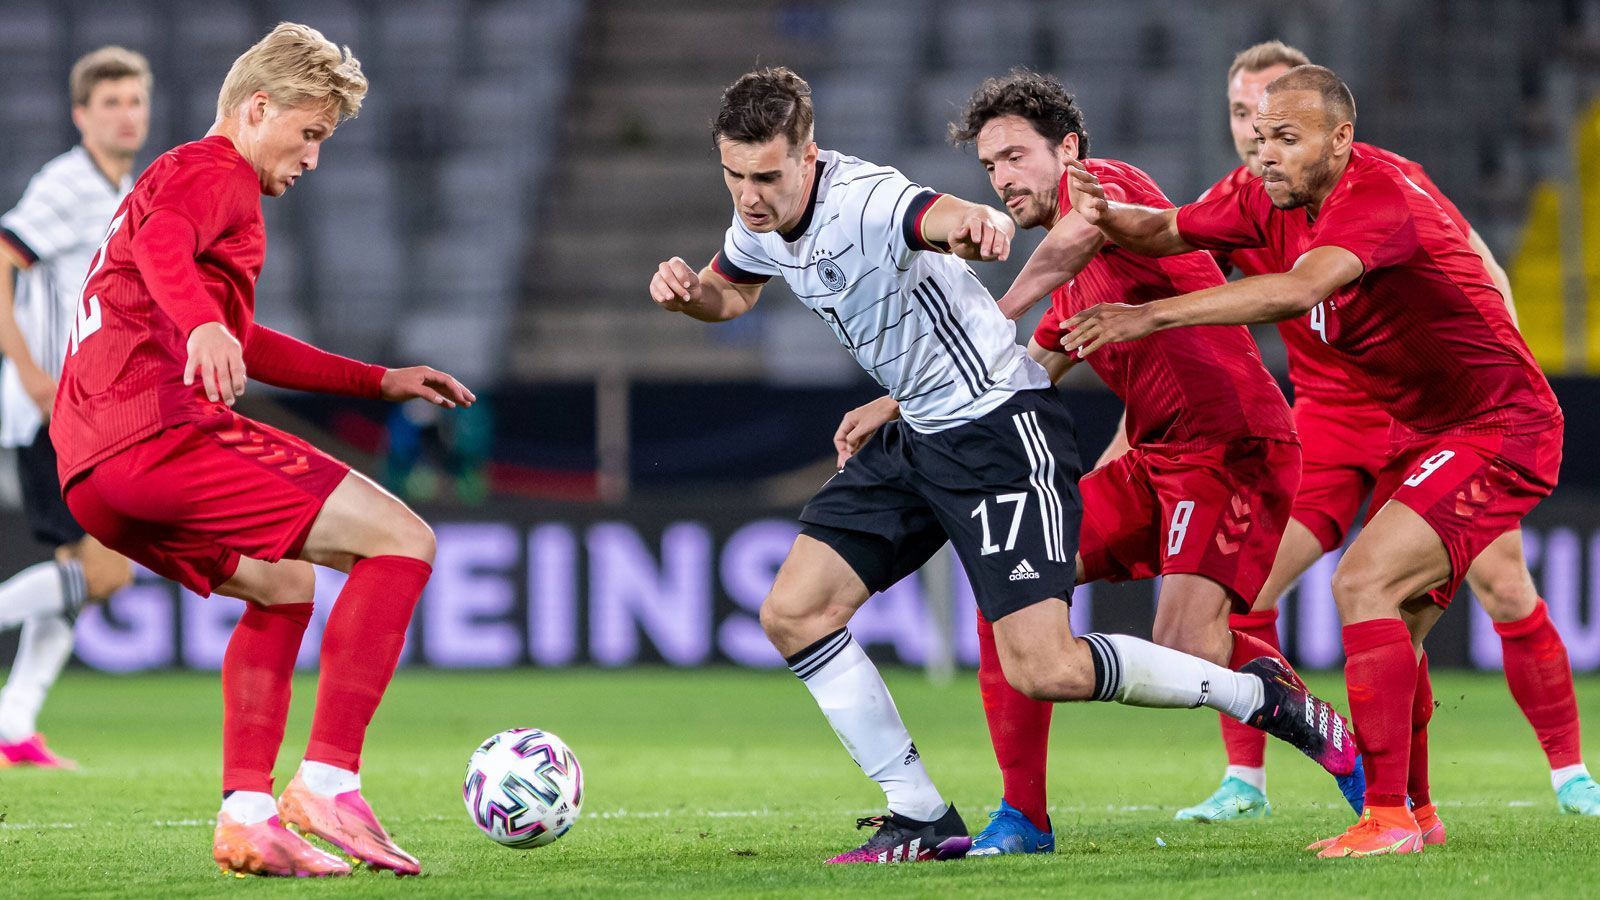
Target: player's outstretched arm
[972, 230]
[861, 423]
[1063, 253]
[1263, 298]
[1142, 229]
[36, 381]
[703, 295]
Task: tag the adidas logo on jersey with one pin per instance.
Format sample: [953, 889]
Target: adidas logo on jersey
[1024, 572]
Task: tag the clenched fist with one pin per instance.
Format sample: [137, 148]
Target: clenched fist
[675, 287]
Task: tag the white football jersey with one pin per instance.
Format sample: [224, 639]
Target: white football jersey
[56, 227]
[917, 319]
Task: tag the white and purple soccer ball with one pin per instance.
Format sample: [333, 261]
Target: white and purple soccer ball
[524, 788]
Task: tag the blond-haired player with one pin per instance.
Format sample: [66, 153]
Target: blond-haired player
[156, 464]
[47, 238]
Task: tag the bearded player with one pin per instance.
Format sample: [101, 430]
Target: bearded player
[981, 454]
[49, 237]
[1202, 496]
[156, 465]
[1393, 288]
[1346, 440]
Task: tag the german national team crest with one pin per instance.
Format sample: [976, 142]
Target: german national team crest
[832, 276]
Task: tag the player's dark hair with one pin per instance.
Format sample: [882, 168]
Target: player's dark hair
[1337, 101]
[1041, 99]
[762, 105]
[106, 64]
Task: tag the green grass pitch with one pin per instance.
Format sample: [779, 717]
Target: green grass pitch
[724, 782]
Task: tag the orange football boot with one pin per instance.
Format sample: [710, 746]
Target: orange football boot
[347, 822]
[268, 848]
[1381, 830]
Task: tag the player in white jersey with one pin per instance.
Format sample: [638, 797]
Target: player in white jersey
[50, 236]
[982, 454]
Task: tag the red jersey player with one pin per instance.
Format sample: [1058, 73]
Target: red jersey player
[1345, 436]
[1397, 293]
[1203, 495]
[156, 465]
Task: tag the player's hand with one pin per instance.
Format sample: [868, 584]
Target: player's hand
[675, 287]
[41, 388]
[861, 423]
[982, 236]
[1085, 192]
[218, 359]
[1106, 323]
[430, 384]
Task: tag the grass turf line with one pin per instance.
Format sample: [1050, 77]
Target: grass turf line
[724, 782]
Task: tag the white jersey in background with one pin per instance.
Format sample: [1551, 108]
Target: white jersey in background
[918, 320]
[56, 227]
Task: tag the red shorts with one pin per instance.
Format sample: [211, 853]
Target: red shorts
[187, 502]
[1344, 450]
[1217, 512]
[1470, 489]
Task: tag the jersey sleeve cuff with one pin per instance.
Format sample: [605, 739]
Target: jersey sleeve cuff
[911, 224]
[18, 247]
[733, 273]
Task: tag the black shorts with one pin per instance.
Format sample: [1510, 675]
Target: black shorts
[48, 517]
[1003, 489]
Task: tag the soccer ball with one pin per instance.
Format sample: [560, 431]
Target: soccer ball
[524, 788]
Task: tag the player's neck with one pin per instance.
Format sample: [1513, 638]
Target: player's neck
[789, 225]
[114, 167]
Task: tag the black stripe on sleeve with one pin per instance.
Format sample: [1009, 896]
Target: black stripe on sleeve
[733, 273]
[911, 223]
[19, 247]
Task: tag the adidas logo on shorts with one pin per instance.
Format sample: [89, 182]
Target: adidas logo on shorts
[1024, 572]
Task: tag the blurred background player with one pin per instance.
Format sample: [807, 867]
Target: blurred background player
[1202, 497]
[975, 447]
[1392, 285]
[50, 236]
[1345, 436]
[155, 463]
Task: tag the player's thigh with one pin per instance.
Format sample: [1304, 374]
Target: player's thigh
[1500, 579]
[1224, 509]
[191, 559]
[1297, 551]
[1120, 533]
[271, 583]
[1397, 557]
[1192, 616]
[360, 519]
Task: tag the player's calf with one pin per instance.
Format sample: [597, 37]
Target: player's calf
[105, 571]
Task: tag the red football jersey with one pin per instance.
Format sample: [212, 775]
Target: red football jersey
[1185, 387]
[1423, 332]
[1316, 373]
[123, 379]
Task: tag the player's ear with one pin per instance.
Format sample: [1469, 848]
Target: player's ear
[1069, 145]
[78, 113]
[808, 156]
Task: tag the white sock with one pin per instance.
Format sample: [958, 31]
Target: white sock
[1255, 776]
[42, 649]
[1561, 776]
[42, 589]
[1139, 673]
[250, 807]
[852, 695]
[328, 780]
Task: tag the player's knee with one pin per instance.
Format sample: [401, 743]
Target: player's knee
[292, 581]
[1506, 593]
[1056, 680]
[105, 574]
[1202, 640]
[412, 537]
[792, 625]
[1360, 592]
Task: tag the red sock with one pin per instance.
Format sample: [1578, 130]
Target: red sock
[360, 649]
[1019, 728]
[1421, 715]
[1380, 670]
[256, 672]
[1254, 634]
[1536, 667]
